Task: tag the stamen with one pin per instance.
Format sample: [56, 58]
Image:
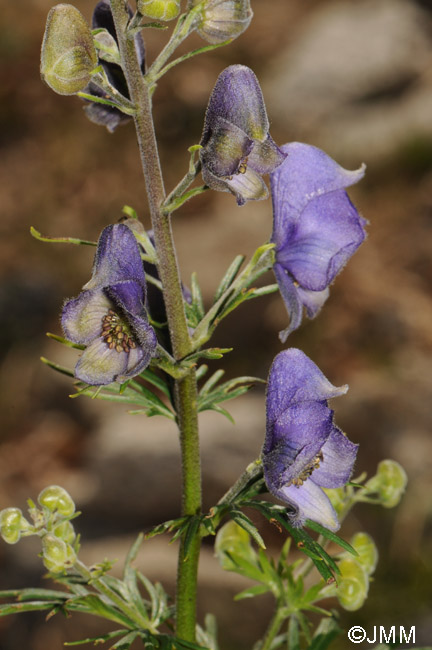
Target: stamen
[308, 470]
[116, 333]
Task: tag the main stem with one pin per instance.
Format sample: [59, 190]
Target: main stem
[186, 388]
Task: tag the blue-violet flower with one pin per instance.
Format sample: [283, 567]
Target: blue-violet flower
[236, 145]
[316, 228]
[304, 450]
[109, 315]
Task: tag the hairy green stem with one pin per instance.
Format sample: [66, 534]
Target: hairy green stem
[273, 628]
[186, 390]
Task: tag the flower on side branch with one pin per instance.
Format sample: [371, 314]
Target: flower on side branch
[304, 451]
[109, 315]
[236, 145]
[316, 228]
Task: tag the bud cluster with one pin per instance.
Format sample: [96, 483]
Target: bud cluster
[51, 522]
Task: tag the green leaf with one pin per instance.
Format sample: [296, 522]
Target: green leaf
[251, 592]
[190, 534]
[125, 642]
[209, 353]
[229, 276]
[55, 366]
[197, 299]
[30, 606]
[97, 639]
[93, 604]
[166, 526]
[325, 532]
[293, 634]
[326, 632]
[60, 240]
[154, 379]
[64, 341]
[212, 381]
[34, 594]
[243, 520]
[277, 515]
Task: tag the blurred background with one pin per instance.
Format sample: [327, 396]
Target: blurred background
[353, 77]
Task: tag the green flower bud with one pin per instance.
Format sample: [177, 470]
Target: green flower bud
[223, 19]
[337, 499]
[231, 541]
[54, 498]
[367, 551]
[12, 523]
[57, 555]
[159, 9]
[107, 46]
[389, 483]
[353, 586]
[68, 55]
[65, 531]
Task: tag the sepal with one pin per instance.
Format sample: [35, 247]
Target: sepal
[68, 56]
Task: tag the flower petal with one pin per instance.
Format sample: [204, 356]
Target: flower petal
[291, 298]
[312, 503]
[226, 148]
[99, 365]
[306, 174]
[312, 300]
[339, 455]
[237, 98]
[294, 379]
[82, 317]
[247, 186]
[117, 258]
[294, 440]
[320, 243]
[139, 357]
[266, 156]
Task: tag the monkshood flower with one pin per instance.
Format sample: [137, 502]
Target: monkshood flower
[109, 315]
[236, 146]
[316, 228]
[110, 116]
[304, 450]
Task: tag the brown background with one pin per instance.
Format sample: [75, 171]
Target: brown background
[353, 77]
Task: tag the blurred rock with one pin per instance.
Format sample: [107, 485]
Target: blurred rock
[356, 80]
[136, 462]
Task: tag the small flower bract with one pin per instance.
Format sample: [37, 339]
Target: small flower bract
[109, 315]
[316, 228]
[236, 145]
[304, 450]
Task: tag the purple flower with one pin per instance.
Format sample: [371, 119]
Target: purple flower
[316, 228]
[304, 450]
[237, 148]
[109, 315]
[101, 113]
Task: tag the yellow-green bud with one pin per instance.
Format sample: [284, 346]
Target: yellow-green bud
[12, 523]
[65, 531]
[223, 20]
[389, 482]
[231, 541]
[54, 498]
[159, 9]
[57, 555]
[367, 551]
[68, 55]
[353, 586]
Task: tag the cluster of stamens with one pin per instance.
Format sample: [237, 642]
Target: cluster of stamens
[306, 473]
[115, 333]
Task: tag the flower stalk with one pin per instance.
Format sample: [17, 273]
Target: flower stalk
[186, 389]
